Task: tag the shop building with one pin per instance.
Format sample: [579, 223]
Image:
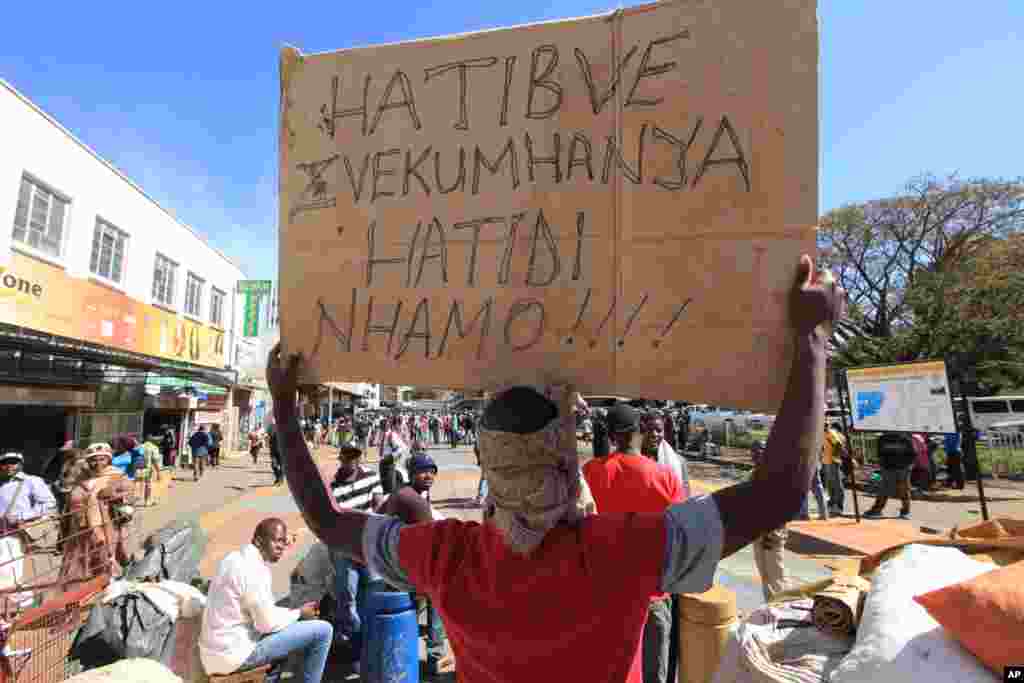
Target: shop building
[345, 399]
[115, 317]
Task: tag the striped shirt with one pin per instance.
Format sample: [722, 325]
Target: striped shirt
[358, 494]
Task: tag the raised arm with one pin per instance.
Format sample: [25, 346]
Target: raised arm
[340, 528]
[777, 490]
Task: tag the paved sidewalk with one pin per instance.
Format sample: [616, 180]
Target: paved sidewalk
[230, 500]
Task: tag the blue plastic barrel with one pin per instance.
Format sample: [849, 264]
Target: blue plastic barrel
[391, 648]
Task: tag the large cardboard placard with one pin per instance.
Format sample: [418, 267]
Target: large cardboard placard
[617, 201]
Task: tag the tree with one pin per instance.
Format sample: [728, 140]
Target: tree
[972, 311]
[878, 249]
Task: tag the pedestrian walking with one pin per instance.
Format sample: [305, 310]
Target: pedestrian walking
[255, 446]
[896, 455]
[481, 488]
[199, 442]
[149, 473]
[834, 451]
[168, 446]
[435, 429]
[954, 461]
[392, 448]
[275, 455]
[818, 489]
[216, 438]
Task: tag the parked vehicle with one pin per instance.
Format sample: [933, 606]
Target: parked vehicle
[989, 410]
[604, 401]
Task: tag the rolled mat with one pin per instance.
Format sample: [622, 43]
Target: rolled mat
[837, 609]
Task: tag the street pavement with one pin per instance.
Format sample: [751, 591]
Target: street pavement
[230, 500]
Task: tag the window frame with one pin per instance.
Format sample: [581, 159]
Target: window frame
[214, 294]
[23, 245]
[198, 300]
[170, 284]
[987, 405]
[105, 225]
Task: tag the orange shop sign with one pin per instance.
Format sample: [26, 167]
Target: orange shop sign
[40, 296]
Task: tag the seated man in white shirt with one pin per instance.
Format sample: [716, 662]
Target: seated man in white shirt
[242, 627]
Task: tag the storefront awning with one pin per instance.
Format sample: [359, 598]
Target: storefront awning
[28, 356]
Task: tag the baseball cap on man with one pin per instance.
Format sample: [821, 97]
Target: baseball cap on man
[421, 462]
[12, 456]
[622, 418]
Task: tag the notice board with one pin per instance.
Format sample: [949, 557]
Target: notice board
[910, 397]
[617, 201]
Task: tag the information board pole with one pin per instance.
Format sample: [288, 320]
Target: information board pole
[969, 442]
[844, 405]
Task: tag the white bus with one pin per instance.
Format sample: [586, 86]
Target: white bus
[988, 410]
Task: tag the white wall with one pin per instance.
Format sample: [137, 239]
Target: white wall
[33, 143]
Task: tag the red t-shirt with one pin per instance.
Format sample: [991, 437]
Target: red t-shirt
[631, 483]
[623, 483]
[571, 611]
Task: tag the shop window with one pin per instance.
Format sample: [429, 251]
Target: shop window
[217, 307]
[40, 217]
[165, 272]
[104, 427]
[194, 295]
[109, 246]
[989, 407]
[120, 397]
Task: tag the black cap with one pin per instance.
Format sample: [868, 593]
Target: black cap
[622, 418]
[349, 447]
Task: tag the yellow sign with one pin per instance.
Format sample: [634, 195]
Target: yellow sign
[42, 297]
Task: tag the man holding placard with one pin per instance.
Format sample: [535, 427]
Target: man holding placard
[539, 578]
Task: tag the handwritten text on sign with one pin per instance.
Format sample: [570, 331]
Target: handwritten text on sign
[616, 201]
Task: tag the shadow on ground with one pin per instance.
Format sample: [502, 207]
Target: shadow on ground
[457, 504]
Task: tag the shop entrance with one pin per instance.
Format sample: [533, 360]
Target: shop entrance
[37, 432]
[155, 422]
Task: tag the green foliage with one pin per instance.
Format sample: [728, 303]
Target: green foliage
[936, 273]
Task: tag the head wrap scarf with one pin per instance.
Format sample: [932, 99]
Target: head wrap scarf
[534, 479]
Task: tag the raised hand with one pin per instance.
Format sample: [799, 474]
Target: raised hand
[816, 298]
[283, 376]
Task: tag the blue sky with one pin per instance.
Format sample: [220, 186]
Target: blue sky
[184, 98]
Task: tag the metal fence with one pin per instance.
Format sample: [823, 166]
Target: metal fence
[52, 570]
[1006, 452]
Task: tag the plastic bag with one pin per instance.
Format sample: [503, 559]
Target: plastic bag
[173, 552]
[129, 626]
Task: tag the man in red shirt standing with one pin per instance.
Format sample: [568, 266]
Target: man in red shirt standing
[539, 586]
[626, 481]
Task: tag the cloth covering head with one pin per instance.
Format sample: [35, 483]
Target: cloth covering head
[528, 456]
[98, 449]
